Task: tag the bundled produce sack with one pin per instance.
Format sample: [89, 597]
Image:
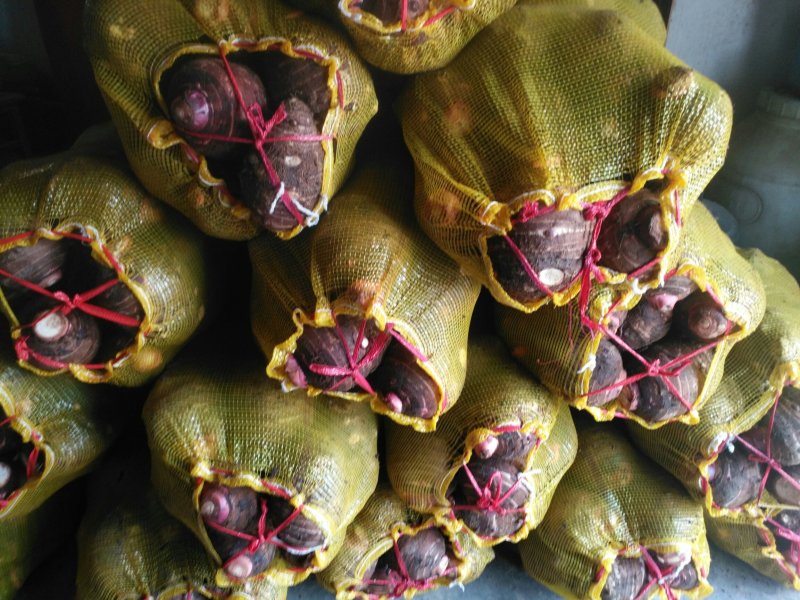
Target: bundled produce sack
[267, 482]
[52, 431]
[545, 165]
[27, 540]
[654, 358]
[88, 276]
[392, 551]
[365, 307]
[618, 528]
[130, 547]
[492, 465]
[243, 115]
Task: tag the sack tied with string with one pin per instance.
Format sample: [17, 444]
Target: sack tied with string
[547, 166]
[243, 116]
[618, 528]
[492, 465]
[267, 482]
[392, 551]
[88, 276]
[364, 306]
[653, 358]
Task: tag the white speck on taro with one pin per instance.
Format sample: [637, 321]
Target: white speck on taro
[292, 161]
[551, 277]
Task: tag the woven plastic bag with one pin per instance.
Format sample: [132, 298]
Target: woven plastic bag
[614, 503]
[528, 125]
[561, 345]
[375, 532]
[108, 222]
[498, 397]
[758, 372]
[368, 260]
[213, 423]
[131, 47]
[57, 426]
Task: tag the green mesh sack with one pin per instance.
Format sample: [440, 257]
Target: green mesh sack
[552, 113]
[211, 423]
[26, 541]
[426, 470]
[375, 532]
[614, 503]
[119, 272]
[757, 373]
[133, 46]
[561, 345]
[52, 431]
[367, 261]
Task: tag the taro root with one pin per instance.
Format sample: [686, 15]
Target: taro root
[424, 554]
[298, 165]
[405, 386]
[68, 338]
[202, 100]
[700, 317]
[553, 243]
[785, 491]
[302, 78]
[789, 519]
[607, 371]
[391, 11]
[626, 578]
[508, 446]
[243, 563]
[785, 436]
[120, 300]
[335, 347]
[633, 233]
[379, 578]
[40, 264]
[301, 535]
[229, 507]
[685, 579]
[644, 325]
[734, 478]
[495, 478]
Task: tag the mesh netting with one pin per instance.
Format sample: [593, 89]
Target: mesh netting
[615, 503]
[369, 260]
[560, 345]
[129, 235]
[526, 123]
[63, 427]
[741, 414]
[376, 530]
[215, 424]
[498, 397]
[129, 60]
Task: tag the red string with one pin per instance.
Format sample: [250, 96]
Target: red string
[440, 15]
[656, 576]
[490, 498]
[403, 14]
[794, 541]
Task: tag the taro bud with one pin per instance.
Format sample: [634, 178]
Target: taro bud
[405, 386]
[40, 264]
[202, 100]
[675, 289]
[633, 233]
[297, 163]
[786, 491]
[329, 347]
[700, 317]
[302, 78]
[786, 428]
[391, 11]
[68, 338]
[553, 243]
[230, 507]
[301, 535]
[607, 372]
[625, 579]
[424, 554]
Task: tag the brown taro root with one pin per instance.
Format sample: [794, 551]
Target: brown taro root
[785, 444]
[682, 575]
[120, 300]
[626, 578]
[480, 509]
[336, 347]
[405, 386]
[40, 264]
[789, 520]
[201, 100]
[297, 164]
[644, 325]
[14, 460]
[301, 535]
[229, 507]
[65, 338]
[700, 317]
[508, 446]
[302, 78]
[633, 233]
[784, 490]
[734, 478]
[391, 11]
[553, 243]
[608, 370]
[239, 562]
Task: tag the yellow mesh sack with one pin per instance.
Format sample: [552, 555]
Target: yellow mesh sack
[214, 423]
[498, 396]
[97, 203]
[132, 45]
[614, 502]
[559, 345]
[554, 108]
[368, 259]
[756, 373]
[375, 531]
[63, 424]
